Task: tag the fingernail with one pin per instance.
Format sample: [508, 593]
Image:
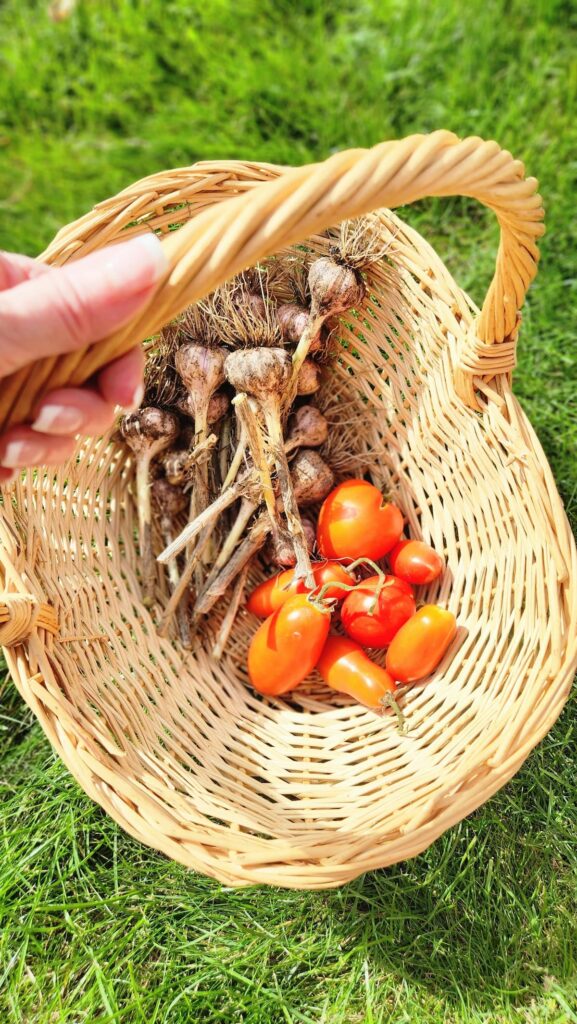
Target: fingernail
[136, 400]
[22, 453]
[58, 419]
[138, 263]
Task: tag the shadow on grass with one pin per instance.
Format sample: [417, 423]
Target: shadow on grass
[489, 910]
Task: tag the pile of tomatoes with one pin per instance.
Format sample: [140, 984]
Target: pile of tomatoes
[355, 531]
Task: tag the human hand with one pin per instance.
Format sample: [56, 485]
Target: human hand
[47, 311]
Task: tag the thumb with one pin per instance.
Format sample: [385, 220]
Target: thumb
[79, 303]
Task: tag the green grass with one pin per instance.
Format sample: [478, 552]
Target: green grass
[480, 928]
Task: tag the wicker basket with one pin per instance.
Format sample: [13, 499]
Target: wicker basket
[176, 748]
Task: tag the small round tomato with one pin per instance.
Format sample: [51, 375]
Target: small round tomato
[346, 668]
[287, 645]
[355, 523]
[371, 620]
[333, 572]
[420, 644]
[415, 562]
[270, 595]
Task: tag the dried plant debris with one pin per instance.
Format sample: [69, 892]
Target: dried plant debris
[361, 242]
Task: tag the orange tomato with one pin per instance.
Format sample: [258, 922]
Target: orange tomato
[355, 523]
[346, 668]
[287, 645]
[273, 593]
[373, 621]
[418, 647]
[415, 562]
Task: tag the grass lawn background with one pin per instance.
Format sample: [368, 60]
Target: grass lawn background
[482, 927]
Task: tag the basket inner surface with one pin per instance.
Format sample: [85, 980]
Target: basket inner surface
[184, 739]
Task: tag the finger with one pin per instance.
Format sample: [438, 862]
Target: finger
[71, 411]
[77, 304]
[22, 446]
[121, 381]
[14, 269]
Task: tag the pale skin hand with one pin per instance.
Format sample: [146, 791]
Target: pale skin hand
[48, 311]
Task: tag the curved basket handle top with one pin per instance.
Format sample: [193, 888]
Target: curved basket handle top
[236, 233]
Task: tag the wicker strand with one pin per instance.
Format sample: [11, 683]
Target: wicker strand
[22, 613]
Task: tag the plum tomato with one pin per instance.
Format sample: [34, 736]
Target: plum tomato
[287, 645]
[272, 593]
[346, 668]
[415, 562]
[418, 647]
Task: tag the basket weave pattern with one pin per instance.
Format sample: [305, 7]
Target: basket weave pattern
[178, 749]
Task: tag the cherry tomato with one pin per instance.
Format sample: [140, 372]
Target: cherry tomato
[273, 593]
[415, 562]
[346, 668]
[421, 643]
[287, 645]
[373, 621]
[354, 522]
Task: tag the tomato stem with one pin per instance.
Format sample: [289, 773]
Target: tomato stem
[378, 591]
[366, 561]
[378, 571]
[319, 597]
[388, 701]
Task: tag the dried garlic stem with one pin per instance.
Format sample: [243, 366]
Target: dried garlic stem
[312, 480]
[307, 428]
[303, 568]
[200, 494]
[145, 530]
[147, 433]
[264, 373]
[185, 578]
[300, 353]
[237, 460]
[253, 434]
[201, 369]
[170, 501]
[244, 515]
[252, 543]
[223, 452]
[232, 611]
[182, 619]
[207, 516]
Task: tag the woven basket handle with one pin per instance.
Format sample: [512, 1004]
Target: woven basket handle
[231, 235]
